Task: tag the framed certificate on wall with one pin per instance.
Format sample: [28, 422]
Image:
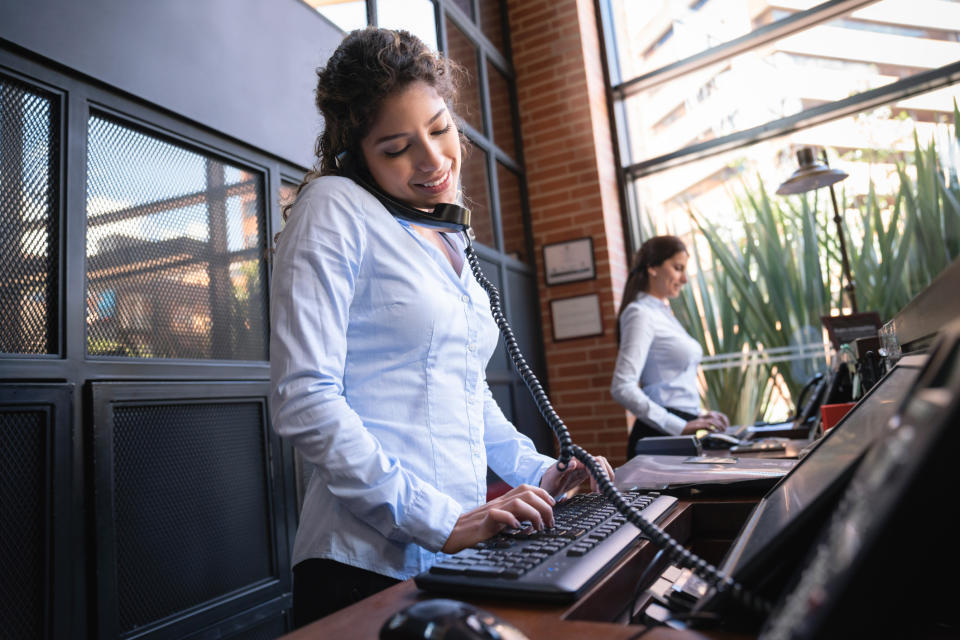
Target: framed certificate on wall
[576, 317]
[569, 261]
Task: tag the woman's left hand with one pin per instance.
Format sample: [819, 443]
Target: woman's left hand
[557, 482]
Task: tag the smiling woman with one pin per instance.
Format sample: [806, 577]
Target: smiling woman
[656, 372]
[380, 341]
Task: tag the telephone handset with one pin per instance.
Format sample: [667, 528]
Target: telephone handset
[456, 218]
[451, 217]
[810, 398]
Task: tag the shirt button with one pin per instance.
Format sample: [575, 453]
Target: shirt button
[465, 298]
[472, 346]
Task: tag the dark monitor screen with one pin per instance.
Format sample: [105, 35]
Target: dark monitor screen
[819, 475]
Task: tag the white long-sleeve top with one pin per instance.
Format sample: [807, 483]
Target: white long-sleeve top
[656, 364]
[377, 357]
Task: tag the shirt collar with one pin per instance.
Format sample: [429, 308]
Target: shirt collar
[652, 301]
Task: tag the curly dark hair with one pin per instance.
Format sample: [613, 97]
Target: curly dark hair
[653, 253]
[370, 65]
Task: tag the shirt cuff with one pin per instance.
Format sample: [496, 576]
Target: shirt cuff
[546, 464]
[674, 424]
[437, 513]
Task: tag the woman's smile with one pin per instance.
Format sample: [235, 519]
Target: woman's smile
[436, 186]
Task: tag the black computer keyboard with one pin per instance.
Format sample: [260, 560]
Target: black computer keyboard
[556, 565]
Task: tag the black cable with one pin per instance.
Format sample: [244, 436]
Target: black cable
[675, 551]
[526, 373]
[638, 590]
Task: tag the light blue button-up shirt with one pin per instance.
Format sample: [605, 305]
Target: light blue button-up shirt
[656, 364]
[378, 353]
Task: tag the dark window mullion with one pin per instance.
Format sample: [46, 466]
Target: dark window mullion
[75, 224]
[507, 161]
[482, 142]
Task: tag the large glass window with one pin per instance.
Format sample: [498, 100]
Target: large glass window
[899, 189]
[714, 98]
[713, 95]
[824, 63]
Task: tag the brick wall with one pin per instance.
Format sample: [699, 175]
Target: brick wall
[573, 193]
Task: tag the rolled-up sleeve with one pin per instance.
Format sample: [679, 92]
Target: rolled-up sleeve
[636, 338]
[315, 275]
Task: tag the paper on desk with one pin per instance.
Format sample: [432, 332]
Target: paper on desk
[658, 473]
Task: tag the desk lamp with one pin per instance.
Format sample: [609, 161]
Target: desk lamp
[813, 174]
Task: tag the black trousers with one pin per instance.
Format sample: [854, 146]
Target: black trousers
[321, 587]
[644, 428]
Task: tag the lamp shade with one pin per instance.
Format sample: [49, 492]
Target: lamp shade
[812, 174]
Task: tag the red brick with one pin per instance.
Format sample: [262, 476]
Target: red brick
[572, 189]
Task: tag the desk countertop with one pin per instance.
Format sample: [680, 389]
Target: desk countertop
[584, 618]
[363, 620]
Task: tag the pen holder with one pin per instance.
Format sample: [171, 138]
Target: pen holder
[831, 414]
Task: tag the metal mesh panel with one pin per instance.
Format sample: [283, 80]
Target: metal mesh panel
[29, 200]
[192, 517]
[175, 250]
[22, 523]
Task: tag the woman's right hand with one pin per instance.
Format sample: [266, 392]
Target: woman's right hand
[698, 424]
[520, 503]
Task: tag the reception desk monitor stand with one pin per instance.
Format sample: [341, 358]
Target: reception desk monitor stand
[780, 527]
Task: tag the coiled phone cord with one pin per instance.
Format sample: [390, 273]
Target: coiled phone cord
[674, 550]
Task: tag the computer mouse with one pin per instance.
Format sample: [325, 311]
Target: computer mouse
[444, 619]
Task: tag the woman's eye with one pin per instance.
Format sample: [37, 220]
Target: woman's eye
[394, 154]
[446, 129]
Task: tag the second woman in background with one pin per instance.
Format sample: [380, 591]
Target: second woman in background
[656, 372]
